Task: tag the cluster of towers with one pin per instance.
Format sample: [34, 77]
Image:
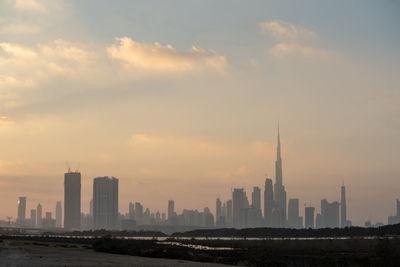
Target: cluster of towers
[103, 207]
[277, 211]
[36, 216]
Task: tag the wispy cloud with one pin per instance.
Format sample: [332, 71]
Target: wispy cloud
[294, 49]
[35, 5]
[282, 30]
[164, 58]
[19, 28]
[291, 40]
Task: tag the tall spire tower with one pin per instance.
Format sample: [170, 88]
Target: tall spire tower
[278, 162]
[279, 189]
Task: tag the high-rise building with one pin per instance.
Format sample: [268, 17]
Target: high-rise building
[229, 213]
[343, 207]
[240, 203]
[268, 202]
[279, 188]
[39, 218]
[58, 214]
[219, 218]
[131, 211]
[256, 198]
[294, 220]
[72, 200]
[91, 208]
[330, 214]
[309, 217]
[171, 209]
[398, 208]
[21, 211]
[138, 213]
[33, 218]
[218, 208]
[255, 215]
[105, 203]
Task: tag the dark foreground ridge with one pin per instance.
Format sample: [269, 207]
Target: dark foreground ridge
[380, 251]
[388, 230]
[373, 247]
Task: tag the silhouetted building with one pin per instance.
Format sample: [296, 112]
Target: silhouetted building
[396, 218]
[318, 221]
[131, 211]
[58, 214]
[21, 219]
[294, 220]
[255, 215]
[39, 215]
[219, 217]
[256, 198]
[330, 214]
[208, 218]
[33, 218]
[171, 210]
[268, 202]
[343, 208]
[48, 221]
[229, 213]
[279, 189]
[240, 203]
[105, 203]
[138, 213]
[398, 208]
[72, 200]
[309, 217]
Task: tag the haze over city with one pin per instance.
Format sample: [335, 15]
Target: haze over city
[183, 101]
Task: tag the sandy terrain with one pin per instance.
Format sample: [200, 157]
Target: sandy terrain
[26, 253]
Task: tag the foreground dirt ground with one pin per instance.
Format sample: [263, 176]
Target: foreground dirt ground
[23, 253]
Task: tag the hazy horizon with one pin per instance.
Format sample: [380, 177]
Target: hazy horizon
[181, 100]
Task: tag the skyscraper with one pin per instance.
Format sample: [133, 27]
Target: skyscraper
[398, 208]
[309, 217]
[138, 213]
[279, 188]
[218, 212]
[268, 202]
[33, 218]
[240, 203]
[330, 214]
[105, 203]
[58, 214]
[39, 218]
[256, 198]
[171, 209]
[72, 200]
[343, 208]
[131, 211]
[21, 211]
[229, 212]
[294, 220]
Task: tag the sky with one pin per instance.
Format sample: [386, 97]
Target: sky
[181, 100]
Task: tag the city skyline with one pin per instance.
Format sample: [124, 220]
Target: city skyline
[181, 99]
[279, 210]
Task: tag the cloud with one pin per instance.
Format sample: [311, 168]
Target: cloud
[23, 68]
[19, 28]
[164, 58]
[294, 49]
[282, 30]
[30, 5]
[290, 41]
[37, 71]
